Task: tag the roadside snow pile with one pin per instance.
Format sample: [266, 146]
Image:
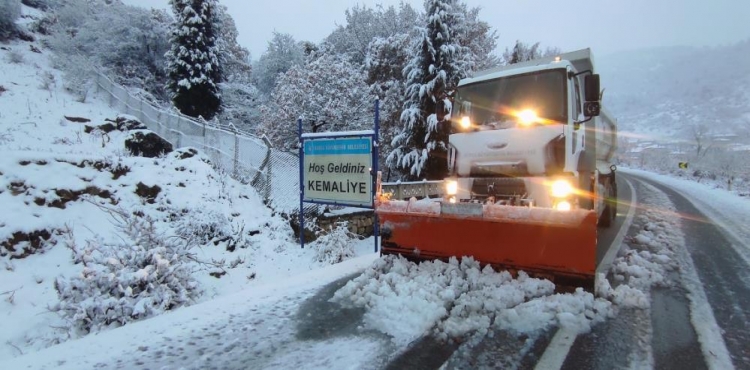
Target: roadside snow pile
[456, 299]
[649, 256]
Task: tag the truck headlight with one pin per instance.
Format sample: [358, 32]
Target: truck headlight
[561, 189]
[563, 206]
[527, 117]
[451, 187]
[465, 122]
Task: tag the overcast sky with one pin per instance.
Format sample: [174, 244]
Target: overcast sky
[606, 26]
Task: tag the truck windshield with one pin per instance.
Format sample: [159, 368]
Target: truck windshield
[495, 104]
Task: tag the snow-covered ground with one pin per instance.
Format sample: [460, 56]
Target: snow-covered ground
[402, 300]
[81, 189]
[725, 208]
[227, 332]
[69, 191]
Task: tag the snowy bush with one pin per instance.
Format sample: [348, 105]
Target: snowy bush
[10, 10]
[15, 57]
[143, 276]
[336, 246]
[200, 227]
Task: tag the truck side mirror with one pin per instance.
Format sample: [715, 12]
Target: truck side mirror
[592, 107]
[591, 84]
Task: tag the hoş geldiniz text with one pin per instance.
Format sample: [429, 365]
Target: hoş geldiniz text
[337, 168]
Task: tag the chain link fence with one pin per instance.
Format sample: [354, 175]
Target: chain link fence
[248, 158]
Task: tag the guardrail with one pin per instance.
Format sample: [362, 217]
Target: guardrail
[417, 189]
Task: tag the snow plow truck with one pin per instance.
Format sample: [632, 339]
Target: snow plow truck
[531, 175]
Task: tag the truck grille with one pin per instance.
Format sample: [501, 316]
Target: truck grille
[499, 187]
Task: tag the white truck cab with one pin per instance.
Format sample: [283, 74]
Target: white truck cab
[534, 134]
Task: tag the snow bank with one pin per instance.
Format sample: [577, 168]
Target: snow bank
[250, 329]
[451, 300]
[649, 255]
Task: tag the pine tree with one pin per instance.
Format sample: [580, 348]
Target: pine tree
[440, 61]
[193, 66]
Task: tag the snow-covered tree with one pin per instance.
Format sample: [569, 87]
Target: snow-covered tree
[239, 97]
[328, 92]
[240, 105]
[234, 59]
[440, 61]
[385, 62]
[10, 10]
[523, 52]
[363, 25]
[193, 65]
[283, 53]
[479, 37]
[127, 41]
[702, 137]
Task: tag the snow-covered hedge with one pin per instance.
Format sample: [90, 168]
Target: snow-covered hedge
[143, 276]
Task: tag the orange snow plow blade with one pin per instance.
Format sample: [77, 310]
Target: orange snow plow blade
[557, 245]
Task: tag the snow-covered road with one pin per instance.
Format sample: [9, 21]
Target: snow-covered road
[252, 329]
[693, 315]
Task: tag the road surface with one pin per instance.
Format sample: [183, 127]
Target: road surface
[698, 322]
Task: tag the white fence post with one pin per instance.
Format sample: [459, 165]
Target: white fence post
[236, 150]
[205, 142]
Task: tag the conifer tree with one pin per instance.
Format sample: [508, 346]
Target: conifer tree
[193, 67]
[439, 62]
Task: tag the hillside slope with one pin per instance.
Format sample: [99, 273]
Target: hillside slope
[88, 229]
[663, 92]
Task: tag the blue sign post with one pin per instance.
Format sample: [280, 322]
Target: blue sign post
[339, 168]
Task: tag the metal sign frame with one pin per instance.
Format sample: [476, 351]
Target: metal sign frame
[373, 135]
